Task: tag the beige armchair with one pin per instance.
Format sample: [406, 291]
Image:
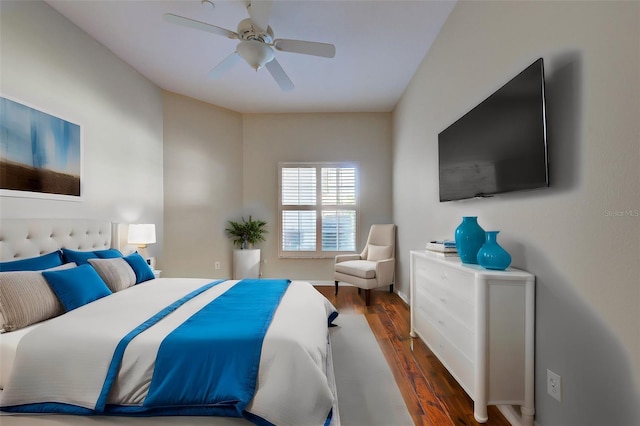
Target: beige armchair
[372, 268]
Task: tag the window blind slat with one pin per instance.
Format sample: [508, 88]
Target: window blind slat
[298, 230]
[338, 186]
[339, 230]
[298, 186]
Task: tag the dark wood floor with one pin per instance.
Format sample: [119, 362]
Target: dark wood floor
[430, 392]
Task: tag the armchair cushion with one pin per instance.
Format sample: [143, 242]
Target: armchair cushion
[359, 268]
[375, 253]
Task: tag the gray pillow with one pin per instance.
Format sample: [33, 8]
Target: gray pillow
[116, 273]
[26, 298]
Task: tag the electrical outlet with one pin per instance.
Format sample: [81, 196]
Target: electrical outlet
[217, 265]
[554, 385]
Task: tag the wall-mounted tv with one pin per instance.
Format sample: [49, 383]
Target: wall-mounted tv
[500, 145]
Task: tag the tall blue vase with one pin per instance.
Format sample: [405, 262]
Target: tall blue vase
[492, 255]
[469, 238]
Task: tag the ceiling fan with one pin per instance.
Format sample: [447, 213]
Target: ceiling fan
[257, 42]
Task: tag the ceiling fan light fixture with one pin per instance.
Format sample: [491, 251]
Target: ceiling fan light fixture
[256, 53]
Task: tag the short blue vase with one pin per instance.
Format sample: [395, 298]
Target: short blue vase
[469, 238]
[492, 255]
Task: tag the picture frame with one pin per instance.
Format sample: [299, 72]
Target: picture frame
[40, 153]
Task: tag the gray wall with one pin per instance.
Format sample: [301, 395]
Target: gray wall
[364, 138]
[221, 165]
[51, 65]
[203, 186]
[584, 255]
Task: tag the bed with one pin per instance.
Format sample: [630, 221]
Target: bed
[151, 350]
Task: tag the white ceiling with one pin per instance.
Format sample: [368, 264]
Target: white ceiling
[379, 45]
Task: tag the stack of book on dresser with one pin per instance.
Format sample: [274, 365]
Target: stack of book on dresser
[444, 248]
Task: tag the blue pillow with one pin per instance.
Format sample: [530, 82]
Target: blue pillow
[50, 260]
[140, 267]
[76, 287]
[82, 257]
[108, 253]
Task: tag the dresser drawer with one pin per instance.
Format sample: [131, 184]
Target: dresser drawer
[440, 317]
[458, 364]
[456, 281]
[450, 295]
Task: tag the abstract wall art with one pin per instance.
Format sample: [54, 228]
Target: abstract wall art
[39, 153]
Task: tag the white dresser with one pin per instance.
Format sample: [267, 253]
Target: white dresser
[480, 324]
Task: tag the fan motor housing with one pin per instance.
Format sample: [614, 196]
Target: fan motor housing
[246, 31]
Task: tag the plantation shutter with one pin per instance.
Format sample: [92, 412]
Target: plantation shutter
[318, 209]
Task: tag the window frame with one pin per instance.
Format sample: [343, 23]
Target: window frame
[318, 207]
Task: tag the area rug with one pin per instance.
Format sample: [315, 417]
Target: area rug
[367, 391]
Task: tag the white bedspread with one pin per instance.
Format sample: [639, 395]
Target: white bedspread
[65, 359]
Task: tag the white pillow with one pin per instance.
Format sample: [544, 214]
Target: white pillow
[376, 253]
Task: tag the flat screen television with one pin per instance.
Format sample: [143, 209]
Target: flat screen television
[500, 145]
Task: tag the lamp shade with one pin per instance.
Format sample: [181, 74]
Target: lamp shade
[142, 233]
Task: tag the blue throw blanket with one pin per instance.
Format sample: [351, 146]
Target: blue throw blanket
[209, 365]
[212, 359]
[122, 345]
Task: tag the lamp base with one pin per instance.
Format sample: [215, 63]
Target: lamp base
[142, 251]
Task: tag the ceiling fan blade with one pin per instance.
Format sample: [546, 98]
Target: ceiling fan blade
[259, 12]
[279, 75]
[192, 23]
[224, 66]
[305, 47]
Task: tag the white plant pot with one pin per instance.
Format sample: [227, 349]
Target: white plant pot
[246, 264]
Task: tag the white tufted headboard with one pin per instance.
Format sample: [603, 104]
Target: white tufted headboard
[23, 238]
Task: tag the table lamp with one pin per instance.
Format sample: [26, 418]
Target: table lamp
[142, 234]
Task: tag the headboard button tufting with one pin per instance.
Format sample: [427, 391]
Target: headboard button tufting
[24, 238]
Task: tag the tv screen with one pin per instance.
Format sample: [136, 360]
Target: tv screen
[500, 145]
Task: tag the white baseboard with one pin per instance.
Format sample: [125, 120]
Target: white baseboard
[512, 414]
[402, 295]
[321, 283]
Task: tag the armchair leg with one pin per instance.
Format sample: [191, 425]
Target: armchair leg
[391, 288]
[367, 297]
[336, 288]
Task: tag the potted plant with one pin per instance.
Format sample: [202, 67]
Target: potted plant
[246, 233]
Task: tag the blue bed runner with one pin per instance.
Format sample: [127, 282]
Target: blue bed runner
[116, 361]
[212, 359]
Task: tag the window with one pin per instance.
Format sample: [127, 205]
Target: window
[318, 209]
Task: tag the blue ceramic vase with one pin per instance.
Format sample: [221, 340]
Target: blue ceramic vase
[492, 255]
[469, 238]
